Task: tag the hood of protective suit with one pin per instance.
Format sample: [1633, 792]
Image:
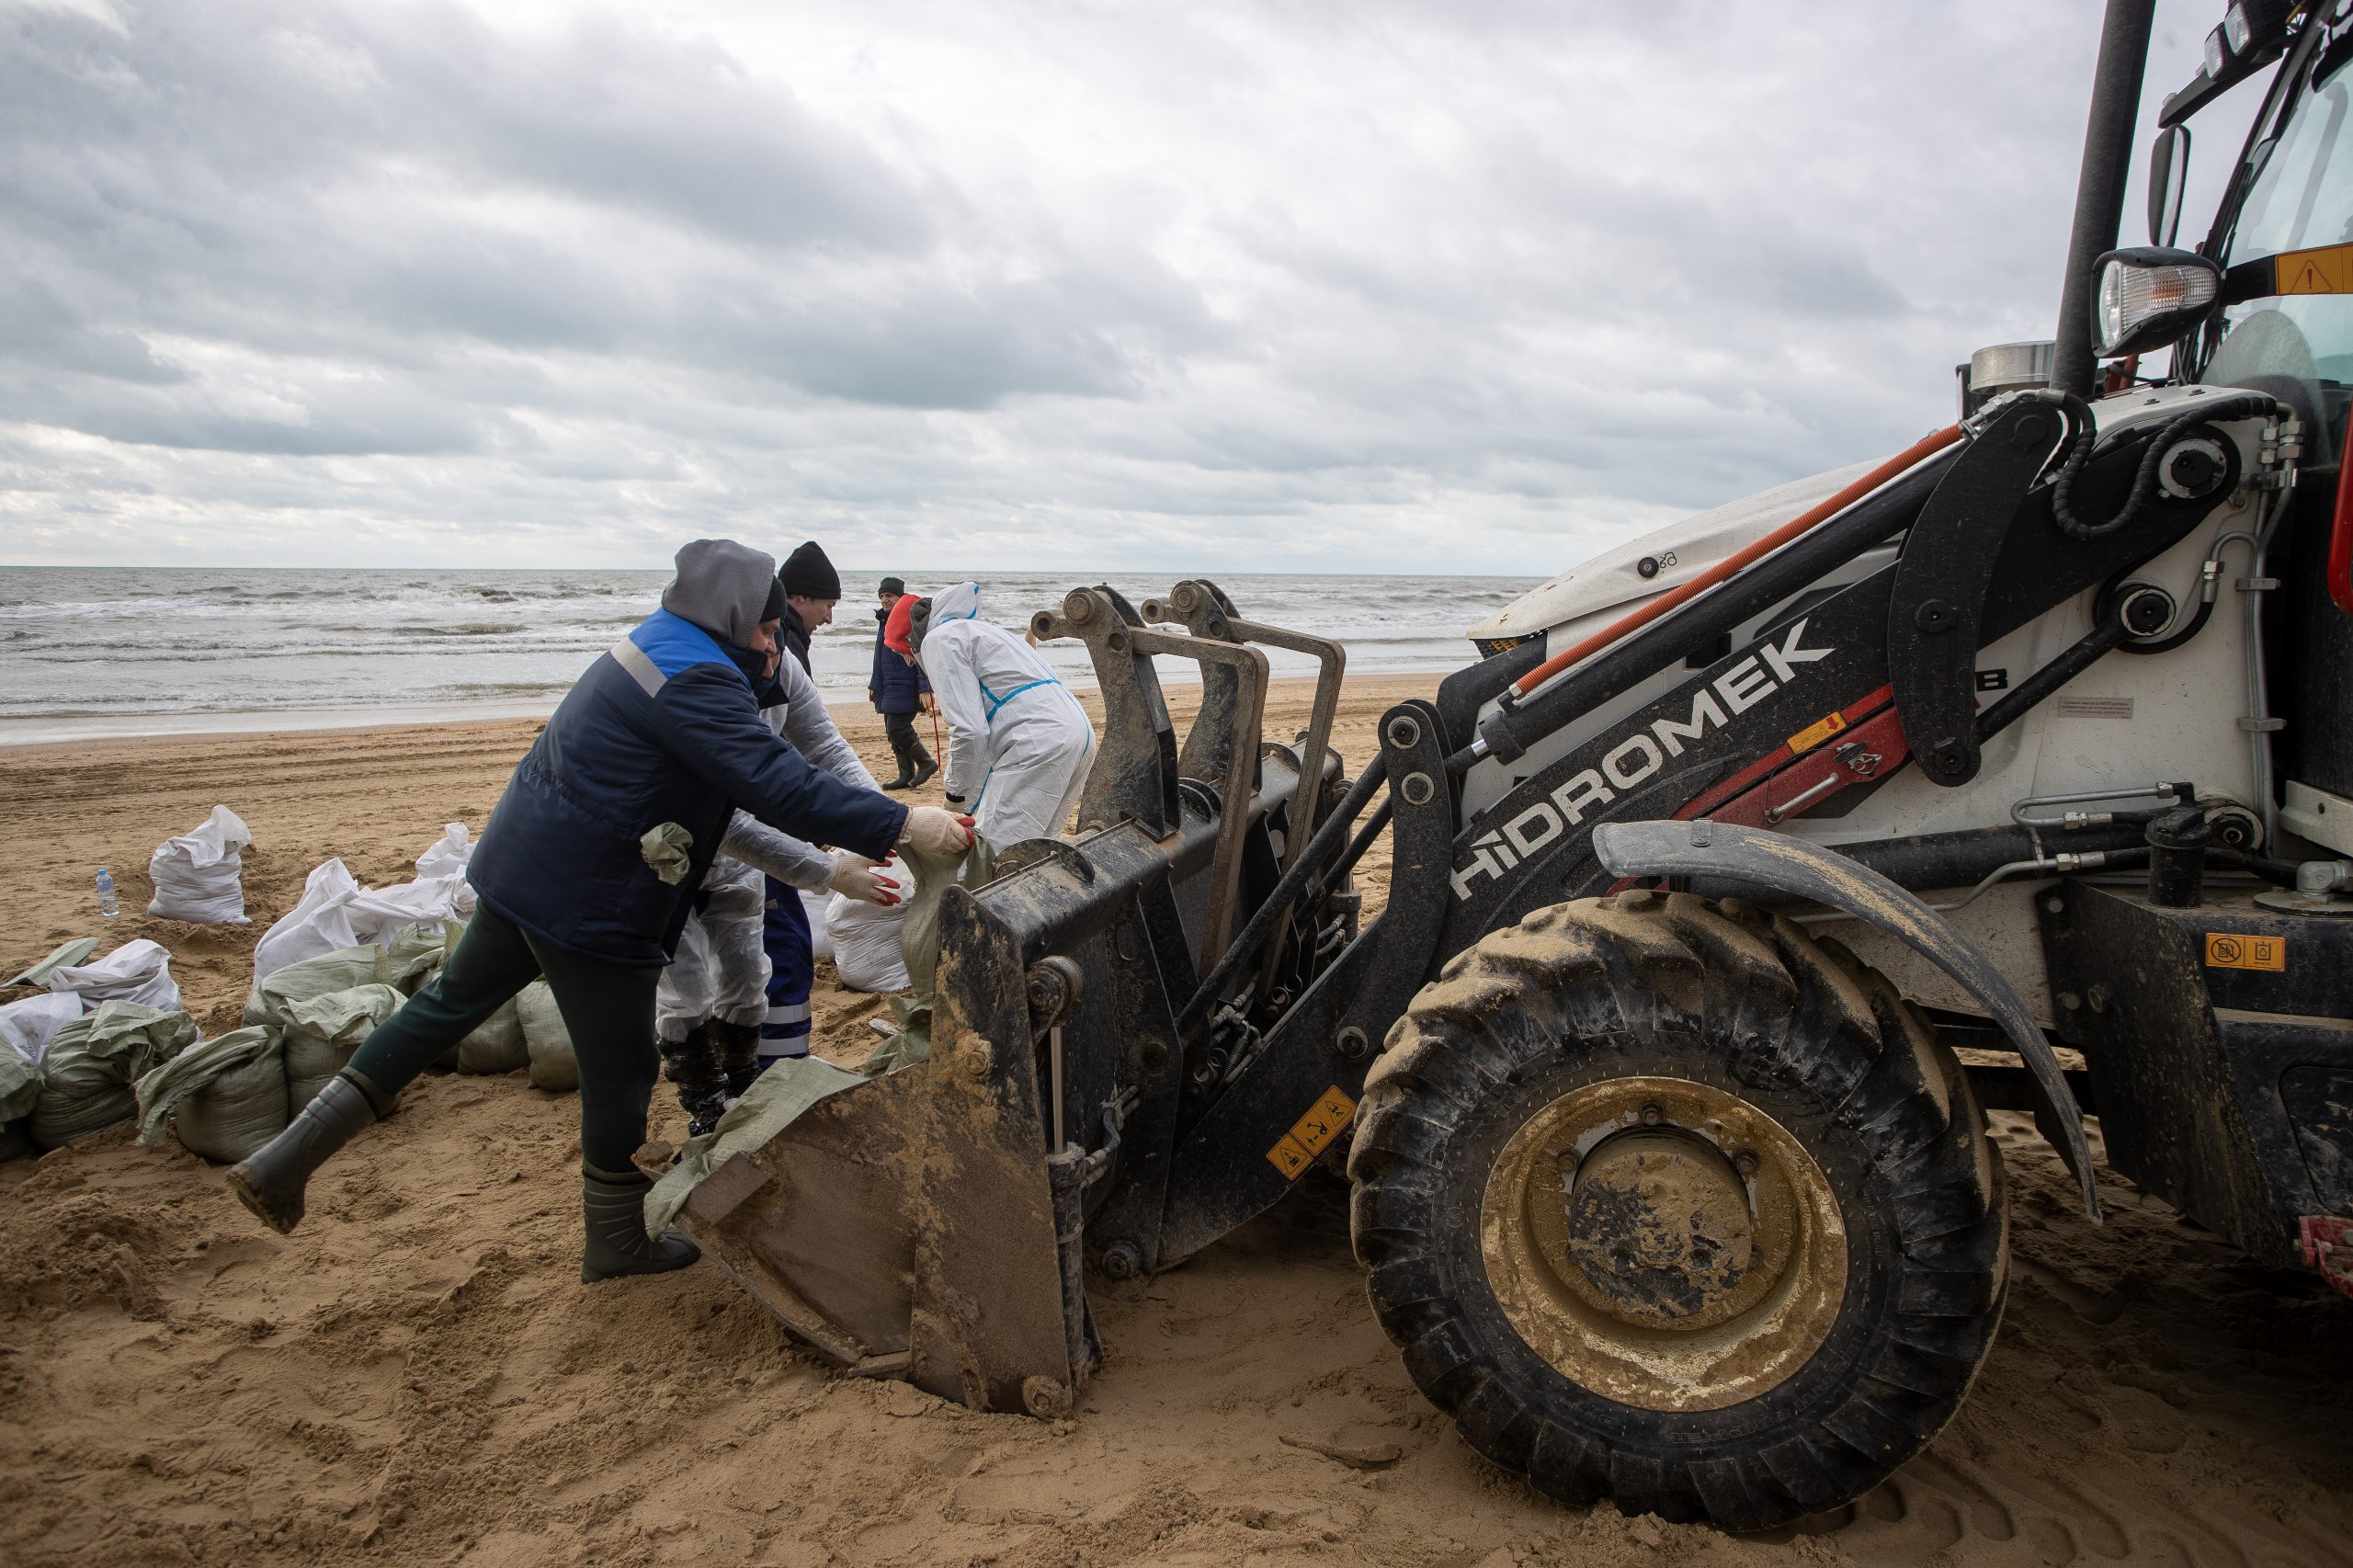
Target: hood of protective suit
[961, 602]
[721, 586]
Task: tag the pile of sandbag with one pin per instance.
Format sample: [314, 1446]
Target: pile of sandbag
[198, 876]
[324, 1006]
[335, 913]
[26, 1030]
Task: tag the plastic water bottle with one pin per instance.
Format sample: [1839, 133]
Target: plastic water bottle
[108, 906]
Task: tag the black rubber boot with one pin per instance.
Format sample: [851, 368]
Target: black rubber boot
[612, 1210]
[270, 1180]
[738, 1046]
[923, 770]
[692, 1064]
[905, 780]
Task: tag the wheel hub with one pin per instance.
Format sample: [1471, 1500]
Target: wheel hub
[1659, 1224]
[1665, 1243]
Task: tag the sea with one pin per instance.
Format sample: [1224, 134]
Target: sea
[88, 651]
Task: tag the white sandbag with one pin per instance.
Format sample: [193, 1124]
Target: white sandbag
[26, 1030]
[448, 856]
[223, 1097]
[29, 1024]
[335, 912]
[319, 924]
[866, 936]
[197, 875]
[137, 972]
[813, 907]
[322, 1031]
[89, 1068]
[546, 1038]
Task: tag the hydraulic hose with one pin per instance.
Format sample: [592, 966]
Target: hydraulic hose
[1330, 834]
[1819, 513]
[2144, 481]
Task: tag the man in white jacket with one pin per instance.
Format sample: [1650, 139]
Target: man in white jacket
[713, 1011]
[1019, 747]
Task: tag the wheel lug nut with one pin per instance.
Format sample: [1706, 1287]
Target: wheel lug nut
[1652, 1115]
[1744, 1163]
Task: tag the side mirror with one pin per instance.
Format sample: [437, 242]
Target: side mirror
[2148, 297]
[2168, 175]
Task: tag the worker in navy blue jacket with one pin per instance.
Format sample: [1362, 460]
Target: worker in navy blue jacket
[584, 876]
[899, 691]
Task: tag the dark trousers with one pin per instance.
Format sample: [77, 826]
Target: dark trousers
[608, 1007]
[905, 747]
[792, 969]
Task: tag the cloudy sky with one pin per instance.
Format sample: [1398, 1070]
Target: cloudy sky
[1465, 286]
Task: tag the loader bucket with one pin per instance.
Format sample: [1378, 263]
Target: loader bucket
[931, 1223]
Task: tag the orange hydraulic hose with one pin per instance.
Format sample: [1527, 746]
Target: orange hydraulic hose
[1812, 516]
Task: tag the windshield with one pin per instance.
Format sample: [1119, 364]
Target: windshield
[2297, 196]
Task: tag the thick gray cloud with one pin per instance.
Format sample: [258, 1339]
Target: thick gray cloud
[1370, 287]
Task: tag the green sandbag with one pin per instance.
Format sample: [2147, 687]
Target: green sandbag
[413, 956]
[19, 1085]
[496, 1045]
[92, 1063]
[775, 1101]
[322, 1033]
[545, 1037]
[224, 1097]
[935, 874]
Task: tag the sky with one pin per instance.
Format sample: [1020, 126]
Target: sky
[1472, 286]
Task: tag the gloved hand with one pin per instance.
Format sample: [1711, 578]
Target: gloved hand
[935, 832]
[855, 877]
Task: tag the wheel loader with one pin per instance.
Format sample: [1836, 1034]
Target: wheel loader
[1740, 872]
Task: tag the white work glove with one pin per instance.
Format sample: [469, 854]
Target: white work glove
[935, 832]
[854, 876]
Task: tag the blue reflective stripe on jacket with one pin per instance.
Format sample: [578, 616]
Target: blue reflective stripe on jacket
[664, 728]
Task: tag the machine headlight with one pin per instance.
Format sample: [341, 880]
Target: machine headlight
[2256, 29]
[2147, 297]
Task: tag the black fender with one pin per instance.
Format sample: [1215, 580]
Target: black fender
[1808, 871]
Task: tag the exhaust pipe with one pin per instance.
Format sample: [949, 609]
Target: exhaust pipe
[2099, 188]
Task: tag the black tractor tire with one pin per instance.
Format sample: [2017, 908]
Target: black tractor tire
[1745, 1011]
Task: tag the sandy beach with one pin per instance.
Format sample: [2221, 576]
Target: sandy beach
[419, 1377]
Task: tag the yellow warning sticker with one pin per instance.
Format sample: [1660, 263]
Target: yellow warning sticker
[1813, 735]
[2226, 949]
[1311, 1133]
[2327, 270]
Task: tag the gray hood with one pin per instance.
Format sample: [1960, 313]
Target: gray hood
[721, 586]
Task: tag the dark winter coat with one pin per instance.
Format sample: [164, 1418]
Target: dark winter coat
[895, 684]
[663, 729]
[792, 636]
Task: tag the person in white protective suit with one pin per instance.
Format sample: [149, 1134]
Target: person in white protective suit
[713, 1004]
[1019, 747]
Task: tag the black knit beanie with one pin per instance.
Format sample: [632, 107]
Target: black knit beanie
[807, 575]
[773, 609]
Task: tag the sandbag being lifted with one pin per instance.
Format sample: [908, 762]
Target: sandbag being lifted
[197, 875]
